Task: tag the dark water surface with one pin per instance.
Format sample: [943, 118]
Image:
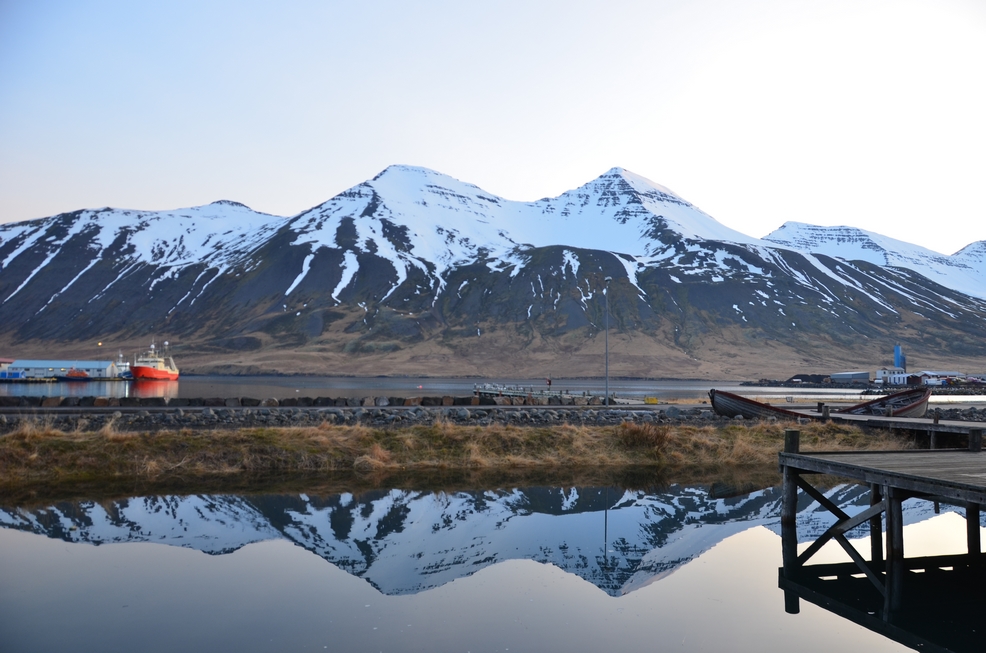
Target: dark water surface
[679, 567]
[279, 387]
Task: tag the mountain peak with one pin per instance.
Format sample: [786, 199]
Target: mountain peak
[976, 249]
[230, 203]
[400, 169]
[639, 183]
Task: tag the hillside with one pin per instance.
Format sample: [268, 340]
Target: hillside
[413, 272]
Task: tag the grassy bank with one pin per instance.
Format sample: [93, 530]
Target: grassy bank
[36, 455]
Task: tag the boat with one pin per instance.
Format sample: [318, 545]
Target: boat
[123, 367]
[909, 403]
[73, 374]
[151, 365]
[728, 404]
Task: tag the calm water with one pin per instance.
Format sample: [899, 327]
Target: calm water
[280, 387]
[684, 568]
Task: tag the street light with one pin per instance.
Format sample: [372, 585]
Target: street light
[606, 295]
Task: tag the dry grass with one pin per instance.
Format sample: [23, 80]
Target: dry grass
[37, 453]
[644, 436]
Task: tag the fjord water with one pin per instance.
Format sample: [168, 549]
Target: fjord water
[280, 387]
[678, 567]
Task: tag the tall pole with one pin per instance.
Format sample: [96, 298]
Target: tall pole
[606, 295]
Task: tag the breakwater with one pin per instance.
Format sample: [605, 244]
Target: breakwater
[150, 414]
[157, 413]
[300, 402]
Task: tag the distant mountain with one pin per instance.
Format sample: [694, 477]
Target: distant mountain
[406, 542]
[964, 271]
[415, 269]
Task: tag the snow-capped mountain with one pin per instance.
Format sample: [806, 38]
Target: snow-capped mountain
[405, 542]
[964, 271]
[415, 259]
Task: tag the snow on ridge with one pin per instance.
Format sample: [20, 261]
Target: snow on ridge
[974, 256]
[419, 218]
[964, 271]
[76, 228]
[218, 235]
[837, 241]
[449, 221]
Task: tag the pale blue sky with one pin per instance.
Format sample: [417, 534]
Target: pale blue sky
[868, 113]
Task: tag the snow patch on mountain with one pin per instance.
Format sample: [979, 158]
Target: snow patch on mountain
[412, 216]
[964, 271]
[218, 234]
[427, 224]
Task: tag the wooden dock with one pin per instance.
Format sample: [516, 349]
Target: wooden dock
[956, 474]
[929, 425]
[951, 476]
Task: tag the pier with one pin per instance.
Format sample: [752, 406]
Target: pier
[930, 425]
[930, 603]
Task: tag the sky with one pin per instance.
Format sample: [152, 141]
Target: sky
[867, 113]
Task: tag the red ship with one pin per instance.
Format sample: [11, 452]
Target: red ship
[151, 365]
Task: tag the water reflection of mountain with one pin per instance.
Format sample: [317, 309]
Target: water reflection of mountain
[405, 542]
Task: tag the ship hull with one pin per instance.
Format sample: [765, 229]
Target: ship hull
[141, 372]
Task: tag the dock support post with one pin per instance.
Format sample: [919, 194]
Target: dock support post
[792, 440]
[789, 521]
[895, 550]
[975, 440]
[972, 529]
[876, 526]
[933, 439]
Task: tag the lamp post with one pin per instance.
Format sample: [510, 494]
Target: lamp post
[606, 295]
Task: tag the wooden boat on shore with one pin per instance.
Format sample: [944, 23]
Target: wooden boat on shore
[730, 405]
[909, 403]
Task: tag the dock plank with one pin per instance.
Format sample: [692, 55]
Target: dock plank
[959, 475]
[901, 423]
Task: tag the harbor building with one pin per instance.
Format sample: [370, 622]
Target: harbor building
[850, 377]
[53, 369]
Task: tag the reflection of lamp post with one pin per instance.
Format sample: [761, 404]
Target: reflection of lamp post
[606, 295]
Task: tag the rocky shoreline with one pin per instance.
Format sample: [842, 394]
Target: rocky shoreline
[238, 416]
[156, 413]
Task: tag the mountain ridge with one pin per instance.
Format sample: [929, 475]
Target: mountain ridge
[414, 271]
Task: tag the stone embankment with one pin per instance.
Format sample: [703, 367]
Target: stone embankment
[960, 414]
[157, 413]
[149, 414]
[294, 402]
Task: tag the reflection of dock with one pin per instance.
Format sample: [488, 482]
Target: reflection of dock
[927, 603]
[943, 609]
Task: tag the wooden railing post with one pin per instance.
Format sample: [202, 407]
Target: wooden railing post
[789, 520]
[792, 440]
[975, 440]
[876, 525]
[972, 529]
[895, 551]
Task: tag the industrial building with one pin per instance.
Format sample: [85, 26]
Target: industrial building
[48, 369]
[850, 377]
